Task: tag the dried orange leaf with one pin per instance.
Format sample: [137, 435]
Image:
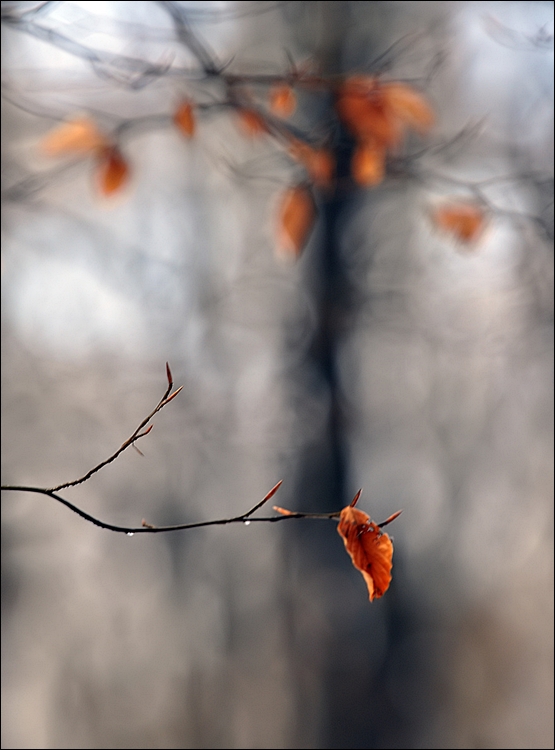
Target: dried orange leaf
[282, 100]
[370, 549]
[296, 219]
[318, 162]
[409, 106]
[79, 135]
[354, 109]
[321, 167]
[112, 171]
[371, 109]
[184, 118]
[368, 165]
[363, 109]
[370, 118]
[464, 220]
[252, 123]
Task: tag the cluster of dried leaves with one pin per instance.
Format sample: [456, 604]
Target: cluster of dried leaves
[377, 114]
[81, 137]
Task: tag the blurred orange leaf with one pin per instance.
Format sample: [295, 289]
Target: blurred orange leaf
[464, 220]
[318, 162]
[370, 548]
[184, 118]
[409, 106]
[370, 109]
[282, 100]
[79, 135]
[252, 123]
[368, 164]
[296, 219]
[112, 171]
[362, 108]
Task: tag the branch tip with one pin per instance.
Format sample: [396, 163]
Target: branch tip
[272, 492]
[265, 499]
[355, 499]
[283, 511]
[390, 519]
[167, 401]
[169, 374]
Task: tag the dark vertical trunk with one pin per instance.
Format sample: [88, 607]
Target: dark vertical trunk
[323, 468]
[355, 711]
[322, 479]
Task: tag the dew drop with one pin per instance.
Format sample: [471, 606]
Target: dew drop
[130, 533]
[247, 523]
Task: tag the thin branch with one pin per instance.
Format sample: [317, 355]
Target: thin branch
[265, 499]
[133, 72]
[166, 398]
[188, 39]
[147, 528]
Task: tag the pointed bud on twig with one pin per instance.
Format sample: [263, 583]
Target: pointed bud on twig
[142, 434]
[272, 492]
[169, 374]
[283, 511]
[167, 401]
[265, 499]
[354, 501]
[390, 519]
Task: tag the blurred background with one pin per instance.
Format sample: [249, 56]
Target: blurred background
[388, 357]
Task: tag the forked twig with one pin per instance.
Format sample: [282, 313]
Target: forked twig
[147, 528]
[166, 398]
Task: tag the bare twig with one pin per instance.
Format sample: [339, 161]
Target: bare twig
[166, 398]
[188, 39]
[148, 528]
[132, 71]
